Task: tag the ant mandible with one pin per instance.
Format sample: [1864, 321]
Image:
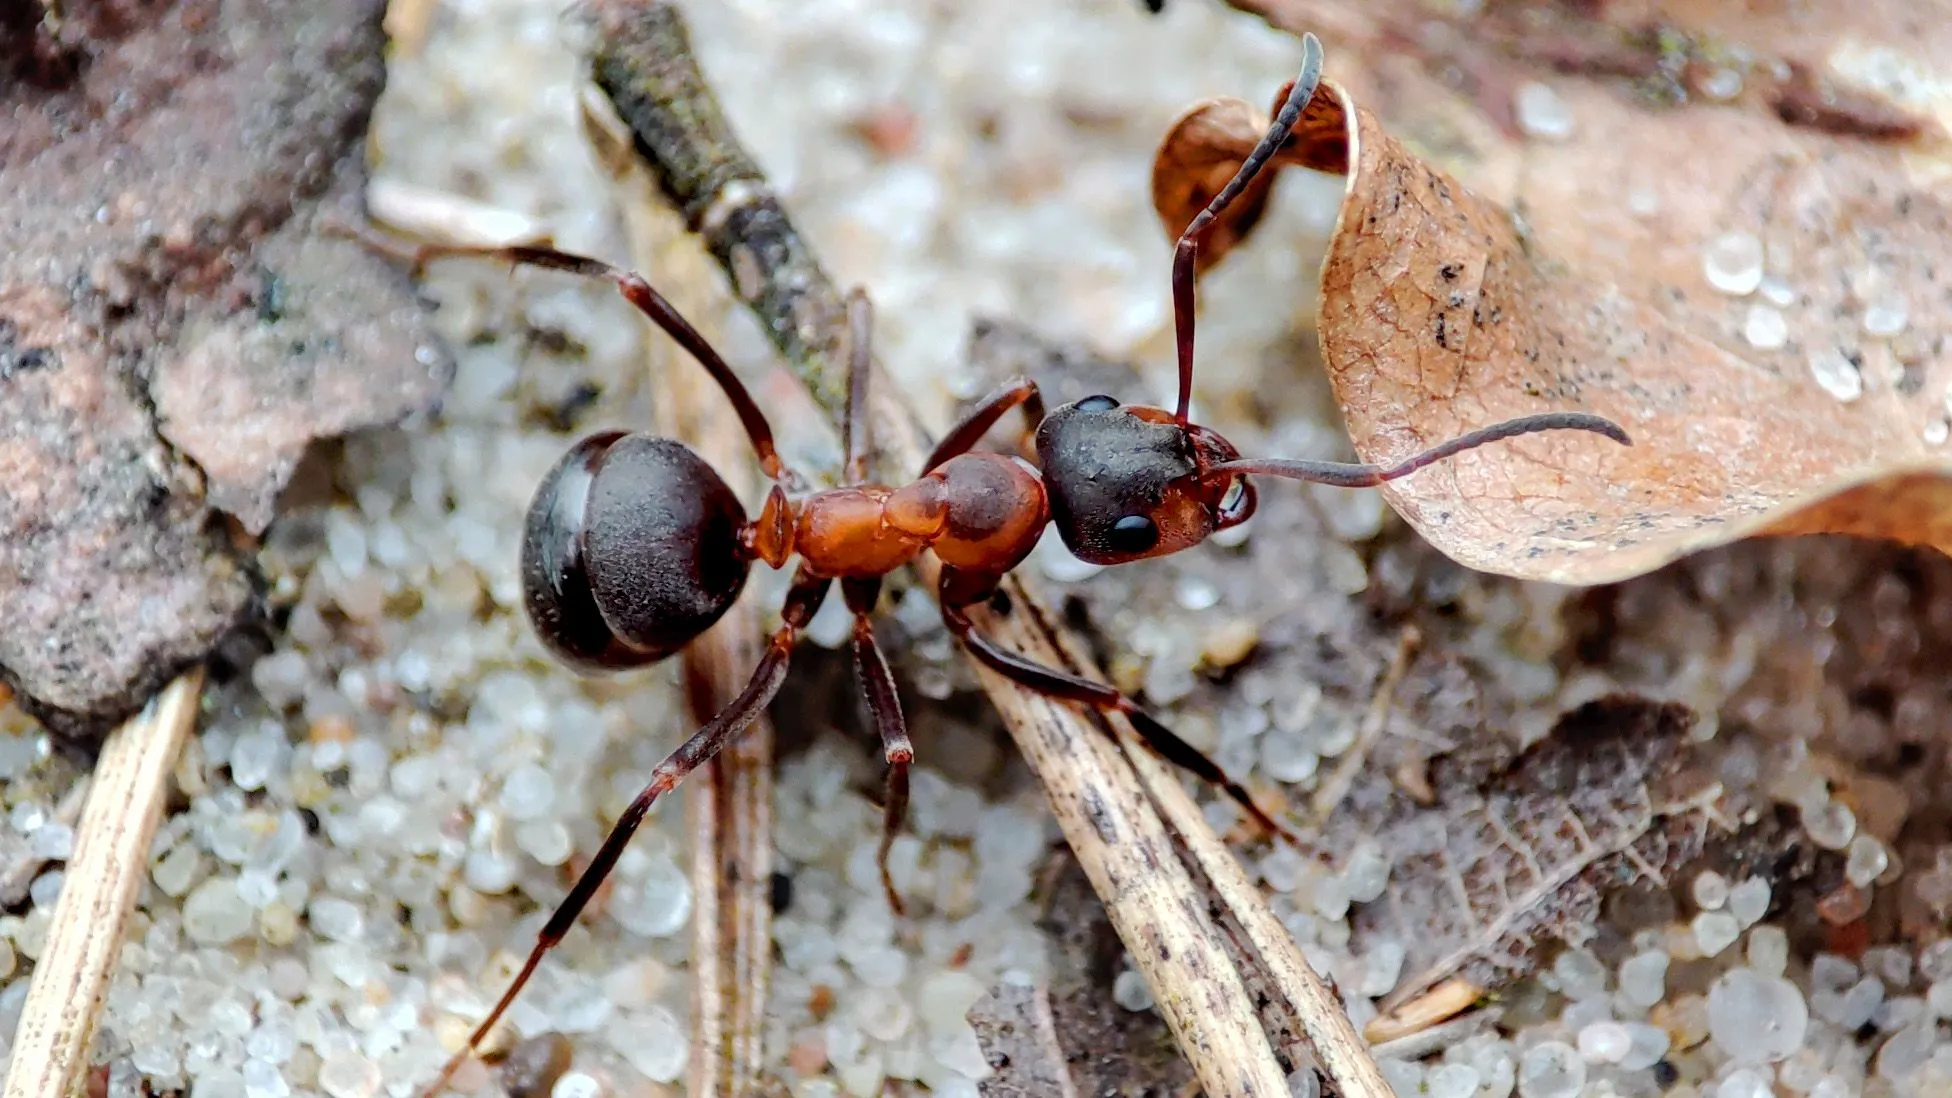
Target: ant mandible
[634, 545]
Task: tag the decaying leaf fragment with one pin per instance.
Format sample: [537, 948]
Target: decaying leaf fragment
[1442, 311]
[1501, 865]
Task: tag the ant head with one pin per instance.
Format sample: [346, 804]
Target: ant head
[1126, 483]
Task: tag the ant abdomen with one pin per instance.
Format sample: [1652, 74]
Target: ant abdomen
[630, 551]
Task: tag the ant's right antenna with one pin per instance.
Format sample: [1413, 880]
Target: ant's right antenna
[1189, 240]
[1345, 475]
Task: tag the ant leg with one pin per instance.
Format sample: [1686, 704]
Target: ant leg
[648, 301]
[963, 436]
[885, 705]
[1347, 475]
[1189, 240]
[802, 600]
[959, 590]
[860, 363]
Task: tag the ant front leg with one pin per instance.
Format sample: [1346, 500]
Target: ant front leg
[884, 704]
[802, 600]
[1019, 392]
[959, 590]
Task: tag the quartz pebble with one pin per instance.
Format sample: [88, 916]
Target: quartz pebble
[1542, 113]
[1756, 1018]
[1551, 1069]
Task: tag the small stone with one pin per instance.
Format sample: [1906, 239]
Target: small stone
[488, 872]
[1744, 1083]
[1286, 757]
[1732, 263]
[1768, 951]
[1840, 378]
[1756, 1018]
[1580, 974]
[1710, 890]
[1551, 1069]
[1715, 931]
[1303, 1083]
[1129, 990]
[1382, 965]
[945, 999]
[575, 1084]
[1865, 860]
[262, 1079]
[52, 841]
[177, 869]
[1403, 1076]
[528, 793]
[1230, 642]
[214, 914]
[1541, 113]
[1844, 905]
[1643, 978]
[1366, 873]
[1605, 1042]
[659, 905]
[1451, 1081]
[1647, 1046]
[1765, 328]
[339, 920]
[1938, 997]
[1748, 901]
[1906, 1051]
[349, 1075]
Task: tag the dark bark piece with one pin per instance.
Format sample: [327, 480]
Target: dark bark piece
[173, 330]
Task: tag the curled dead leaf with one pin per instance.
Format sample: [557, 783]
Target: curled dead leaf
[1820, 407]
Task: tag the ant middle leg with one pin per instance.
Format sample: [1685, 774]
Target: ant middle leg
[1018, 392]
[884, 705]
[958, 590]
[802, 601]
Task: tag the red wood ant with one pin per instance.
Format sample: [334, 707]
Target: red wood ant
[634, 545]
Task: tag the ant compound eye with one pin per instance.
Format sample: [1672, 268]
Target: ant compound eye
[1099, 403]
[1235, 497]
[1133, 534]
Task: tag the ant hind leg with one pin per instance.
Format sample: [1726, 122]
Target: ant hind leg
[884, 705]
[801, 602]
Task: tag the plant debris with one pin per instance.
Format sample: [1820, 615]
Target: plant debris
[1766, 322]
[174, 329]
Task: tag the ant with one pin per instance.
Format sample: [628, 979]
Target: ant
[634, 545]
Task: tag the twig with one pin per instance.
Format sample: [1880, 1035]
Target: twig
[1442, 1002]
[1336, 786]
[104, 878]
[644, 63]
[729, 803]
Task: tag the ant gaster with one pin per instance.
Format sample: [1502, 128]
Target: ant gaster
[634, 545]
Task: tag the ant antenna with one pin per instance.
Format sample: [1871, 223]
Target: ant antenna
[1346, 475]
[1189, 240]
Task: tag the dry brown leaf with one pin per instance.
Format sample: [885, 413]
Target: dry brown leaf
[1443, 310]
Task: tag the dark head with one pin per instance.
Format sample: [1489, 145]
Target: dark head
[631, 550]
[1127, 483]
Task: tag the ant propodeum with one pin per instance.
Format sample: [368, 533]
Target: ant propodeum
[634, 545]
